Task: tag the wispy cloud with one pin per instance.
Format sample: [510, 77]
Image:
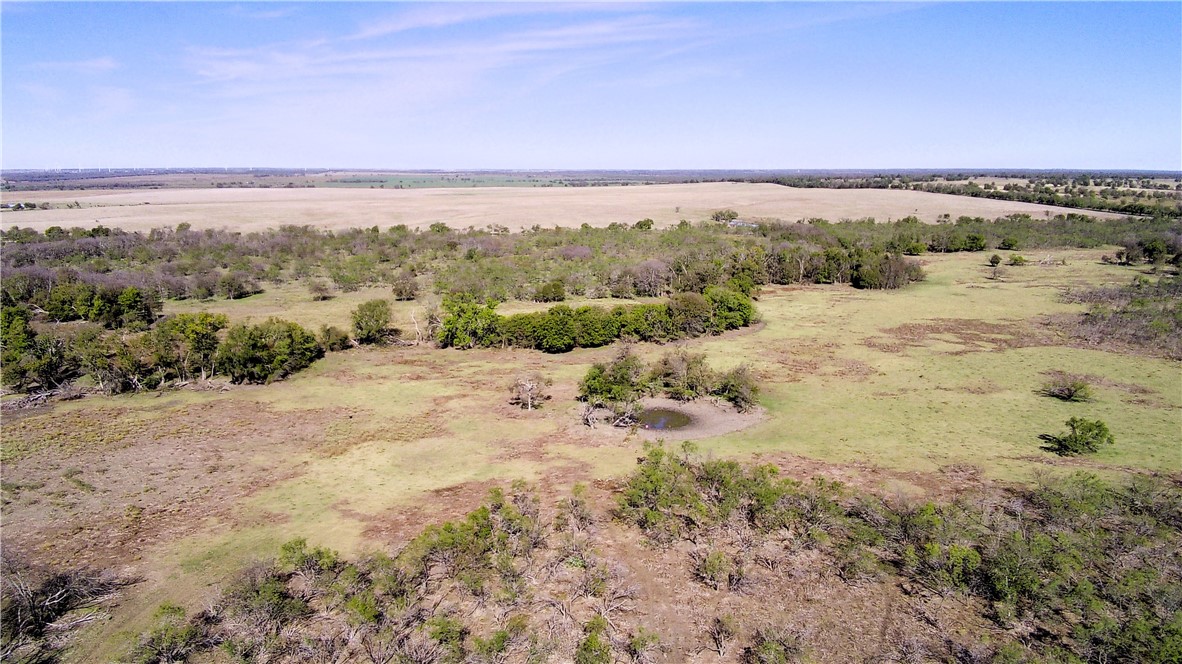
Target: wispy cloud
[445, 16]
[252, 11]
[91, 66]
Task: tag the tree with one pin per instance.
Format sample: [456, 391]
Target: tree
[616, 385]
[468, 323]
[1082, 436]
[555, 331]
[188, 343]
[682, 375]
[267, 352]
[529, 392]
[739, 387]
[371, 322]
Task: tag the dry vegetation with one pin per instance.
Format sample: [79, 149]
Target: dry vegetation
[513, 208]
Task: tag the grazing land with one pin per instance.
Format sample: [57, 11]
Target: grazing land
[926, 397]
[515, 208]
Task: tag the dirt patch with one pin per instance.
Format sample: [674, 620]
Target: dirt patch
[104, 504]
[971, 335]
[948, 483]
[815, 358]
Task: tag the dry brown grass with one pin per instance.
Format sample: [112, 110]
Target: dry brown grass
[516, 208]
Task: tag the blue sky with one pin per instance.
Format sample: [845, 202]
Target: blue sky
[1085, 85]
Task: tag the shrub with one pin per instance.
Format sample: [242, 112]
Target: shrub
[1016, 260]
[468, 323]
[713, 568]
[172, 640]
[621, 380]
[553, 291]
[730, 309]
[320, 290]
[555, 331]
[738, 386]
[690, 315]
[595, 648]
[595, 327]
[774, 646]
[267, 352]
[371, 322]
[404, 286]
[334, 338]
[1082, 436]
[682, 375]
[1068, 387]
[995, 260]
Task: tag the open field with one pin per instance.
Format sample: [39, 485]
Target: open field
[515, 208]
[924, 391]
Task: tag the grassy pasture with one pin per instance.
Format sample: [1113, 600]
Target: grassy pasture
[895, 391]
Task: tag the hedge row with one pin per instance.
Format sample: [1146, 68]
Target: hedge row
[470, 324]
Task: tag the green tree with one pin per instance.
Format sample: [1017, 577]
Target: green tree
[371, 322]
[468, 323]
[1082, 436]
[188, 343]
[556, 330]
[267, 352]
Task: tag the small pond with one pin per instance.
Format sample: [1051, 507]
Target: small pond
[663, 419]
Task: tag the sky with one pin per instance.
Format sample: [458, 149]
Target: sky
[552, 85]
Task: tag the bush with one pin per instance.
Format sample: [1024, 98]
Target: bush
[1016, 260]
[267, 352]
[595, 648]
[619, 381]
[468, 323]
[404, 286]
[730, 309]
[738, 386]
[172, 640]
[682, 375]
[1068, 387]
[1083, 436]
[334, 338]
[774, 646]
[595, 327]
[555, 331]
[553, 291]
[371, 322]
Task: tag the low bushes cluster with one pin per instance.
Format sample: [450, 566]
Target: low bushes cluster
[1091, 567]
[681, 375]
[1145, 314]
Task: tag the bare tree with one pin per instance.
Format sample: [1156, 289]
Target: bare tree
[529, 392]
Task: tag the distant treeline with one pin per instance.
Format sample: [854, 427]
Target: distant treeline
[1122, 195]
[621, 261]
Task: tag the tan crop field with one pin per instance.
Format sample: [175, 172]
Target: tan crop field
[515, 208]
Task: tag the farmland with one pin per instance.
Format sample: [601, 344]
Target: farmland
[509, 207]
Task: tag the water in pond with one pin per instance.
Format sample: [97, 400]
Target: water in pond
[663, 419]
